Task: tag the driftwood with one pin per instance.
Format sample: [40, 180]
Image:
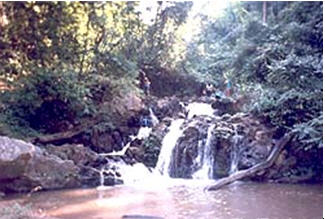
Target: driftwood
[61, 136]
[255, 169]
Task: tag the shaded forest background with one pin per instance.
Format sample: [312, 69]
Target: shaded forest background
[61, 60]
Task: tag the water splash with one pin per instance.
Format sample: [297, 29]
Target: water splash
[154, 119]
[197, 109]
[168, 144]
[205, 158]
[143, 133]
[131, 175]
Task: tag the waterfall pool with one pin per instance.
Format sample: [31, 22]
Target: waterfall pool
[154, 195]
[178, 199]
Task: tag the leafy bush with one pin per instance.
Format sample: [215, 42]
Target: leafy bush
[47, 95]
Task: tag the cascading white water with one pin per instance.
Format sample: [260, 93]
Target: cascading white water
[101, 177]
[143, 133]
[154, 119]
[234, 154]
[175, 131]
[133, 174]
[205, 158]
[168, 144]
[197, 109]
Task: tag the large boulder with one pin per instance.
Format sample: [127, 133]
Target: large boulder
[124, 106]
[79, 154]
[24, 166]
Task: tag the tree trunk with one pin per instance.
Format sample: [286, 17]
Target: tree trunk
[255, 169]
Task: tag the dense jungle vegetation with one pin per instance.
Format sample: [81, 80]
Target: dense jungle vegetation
[59, 61]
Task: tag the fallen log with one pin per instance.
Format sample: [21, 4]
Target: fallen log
[52, 138]
[276, 150]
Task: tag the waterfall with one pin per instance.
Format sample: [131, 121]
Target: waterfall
[169, 142]
[234, 154]
[101, 177]
[154, 119]
[143, 133]
[167, 147]
[197, 109]
[205, 158]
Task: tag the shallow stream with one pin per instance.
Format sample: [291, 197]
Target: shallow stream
[180, 199]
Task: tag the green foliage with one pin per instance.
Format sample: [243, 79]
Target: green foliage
[58, 94]
[277, 63]
[310, 133]
[62, 60]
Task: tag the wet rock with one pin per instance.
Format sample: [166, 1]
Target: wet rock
[147, 150]
[222, 159]
[185, 152]
[25, 166]
[152, 146]
[238, 142]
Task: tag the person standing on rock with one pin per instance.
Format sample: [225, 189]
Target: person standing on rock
[146, 85]
[228, 90]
